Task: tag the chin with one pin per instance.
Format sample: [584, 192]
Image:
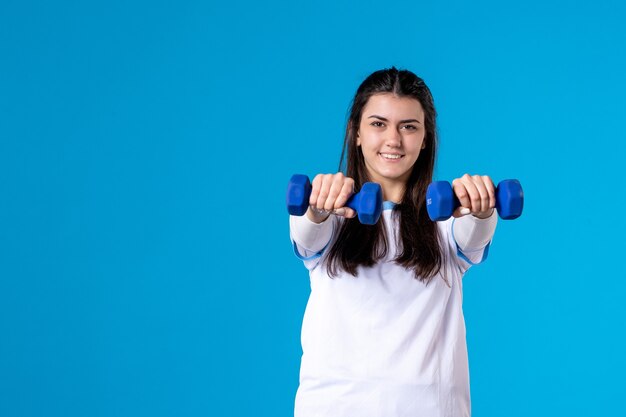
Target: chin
[393, 175]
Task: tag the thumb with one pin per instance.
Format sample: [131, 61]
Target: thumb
[346, 212]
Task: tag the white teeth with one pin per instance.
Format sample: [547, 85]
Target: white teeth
[391, 156]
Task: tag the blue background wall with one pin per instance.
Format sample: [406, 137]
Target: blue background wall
[145, 264]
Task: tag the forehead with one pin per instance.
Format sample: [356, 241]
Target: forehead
[392, 107]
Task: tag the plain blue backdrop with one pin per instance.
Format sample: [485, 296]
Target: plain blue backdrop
[145, 148]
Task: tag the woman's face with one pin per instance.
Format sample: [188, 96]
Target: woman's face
[391, 136]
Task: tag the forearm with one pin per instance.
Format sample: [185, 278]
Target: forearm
[309, 234]
[472, 233]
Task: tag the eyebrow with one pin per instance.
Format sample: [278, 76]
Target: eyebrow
[401, 121]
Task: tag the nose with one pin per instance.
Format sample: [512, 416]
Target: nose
[394, 139]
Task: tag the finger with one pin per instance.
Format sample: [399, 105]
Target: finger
[472, 191]
[460, 190]
[483, 193]
[333, 193]
[491, 189]
[347, 190]
[346, 212]
[327, 181]
[315, 189]
[349, 213]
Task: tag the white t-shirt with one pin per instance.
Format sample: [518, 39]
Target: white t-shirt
[384, 344]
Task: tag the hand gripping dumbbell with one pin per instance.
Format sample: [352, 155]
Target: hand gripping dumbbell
[441, 200]
[368, 203]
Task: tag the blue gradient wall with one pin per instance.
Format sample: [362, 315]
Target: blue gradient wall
[145, 264]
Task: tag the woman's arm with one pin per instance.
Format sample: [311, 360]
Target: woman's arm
[329, 194]
[309, 234]
[472, 233]
[477, 196]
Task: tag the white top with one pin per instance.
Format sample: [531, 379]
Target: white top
[384, 344]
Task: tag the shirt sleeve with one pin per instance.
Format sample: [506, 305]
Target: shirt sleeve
[310, 239]
[472, 237]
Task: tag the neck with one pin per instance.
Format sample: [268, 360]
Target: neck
[392, 190]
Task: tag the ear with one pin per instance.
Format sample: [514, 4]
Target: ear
[358, 139]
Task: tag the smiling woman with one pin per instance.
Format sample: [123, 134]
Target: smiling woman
[383, 333]
[393, 112]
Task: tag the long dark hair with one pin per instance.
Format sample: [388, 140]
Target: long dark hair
[362, 245]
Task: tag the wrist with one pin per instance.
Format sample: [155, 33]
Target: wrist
[485, 216]
[316, 216]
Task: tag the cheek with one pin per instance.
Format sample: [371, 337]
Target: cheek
[419, 143]
[368, 143]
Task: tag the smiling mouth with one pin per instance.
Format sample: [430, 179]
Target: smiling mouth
[390, 156]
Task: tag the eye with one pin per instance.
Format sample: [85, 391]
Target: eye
[410, 127]
[377, 124]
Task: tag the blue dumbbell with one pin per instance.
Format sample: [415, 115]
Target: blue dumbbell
[368, 203]
[441, 200]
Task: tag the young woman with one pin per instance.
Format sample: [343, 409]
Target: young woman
[383, 333]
